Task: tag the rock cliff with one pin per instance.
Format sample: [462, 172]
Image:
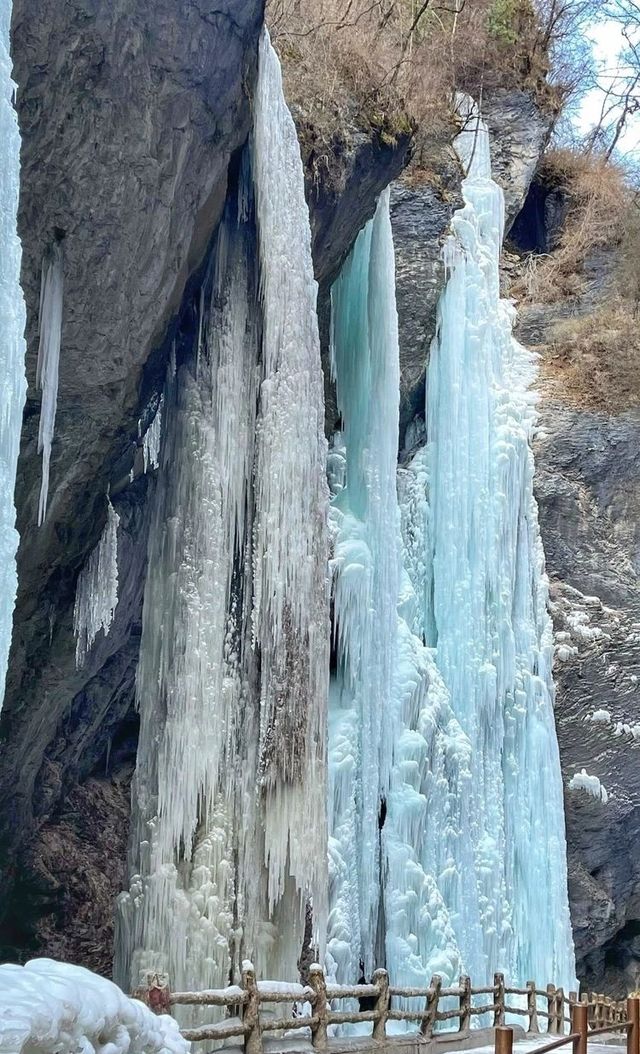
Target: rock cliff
[587, 456]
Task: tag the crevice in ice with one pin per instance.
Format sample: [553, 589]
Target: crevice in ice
[97, 589]
[50, 321]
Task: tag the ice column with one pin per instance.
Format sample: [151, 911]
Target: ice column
[49, 361]
[486, 594]
[366, 565]
[290, 617]
[402, 885]
[12, 345]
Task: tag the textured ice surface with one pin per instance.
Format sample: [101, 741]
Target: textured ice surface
[49, 1006]
[12, 346]
[290, 616]
[591, 784]
[50, 320]
[97, 589]
[229, 798]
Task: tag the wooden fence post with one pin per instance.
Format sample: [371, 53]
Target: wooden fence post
[381, 979]
[465, 1004]
[560, 1011]
[428, 1023]
[504, 1040]
[633, 1031]
[251, 1012]
[532, 1007]
[551, 1008]
[154, 992]
[498, 993]
[319, 1009]
[580, 1027]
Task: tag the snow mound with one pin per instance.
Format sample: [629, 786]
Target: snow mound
[49, 1006]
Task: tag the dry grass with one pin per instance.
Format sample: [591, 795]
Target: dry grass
[599, 209]
[395, 65]
[596, 358]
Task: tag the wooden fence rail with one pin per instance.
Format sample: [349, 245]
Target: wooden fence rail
[618, 1017]
[384, 1002]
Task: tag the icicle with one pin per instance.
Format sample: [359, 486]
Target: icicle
[290, 618]
[153, 435]
[12, 345]
[49, 360]
[97, 589]
[178, 913]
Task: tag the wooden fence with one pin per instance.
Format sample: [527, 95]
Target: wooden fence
[379, 1003]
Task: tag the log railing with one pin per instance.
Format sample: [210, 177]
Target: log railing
[601, 1017]
[381, 1002]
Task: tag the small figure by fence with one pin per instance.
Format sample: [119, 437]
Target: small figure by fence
[594, 1014]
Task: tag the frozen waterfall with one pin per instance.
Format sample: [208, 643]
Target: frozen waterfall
[446, 848]
[228, 839]
[12, 345]
[483, 590]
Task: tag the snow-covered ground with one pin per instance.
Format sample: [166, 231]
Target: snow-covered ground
[48, 1007]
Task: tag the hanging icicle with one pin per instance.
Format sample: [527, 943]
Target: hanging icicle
[48, 361]
[97, 589]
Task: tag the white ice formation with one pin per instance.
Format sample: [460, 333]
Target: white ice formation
[447, 848]
[228, 837]
[12, 345]
[97, 589]
[50, 1006]
[591, 784]
[151, 440]
[50, 320]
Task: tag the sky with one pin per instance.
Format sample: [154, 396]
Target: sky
[607, 45]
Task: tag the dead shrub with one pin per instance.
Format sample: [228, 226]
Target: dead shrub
[396, 64]
[597, 358]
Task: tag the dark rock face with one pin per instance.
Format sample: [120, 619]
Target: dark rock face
[128, 125]
[421, 210]
[420, 216]
[588, 490]
[520, 133]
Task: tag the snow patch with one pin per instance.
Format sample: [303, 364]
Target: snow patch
[50, 1006]
[591, 784]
